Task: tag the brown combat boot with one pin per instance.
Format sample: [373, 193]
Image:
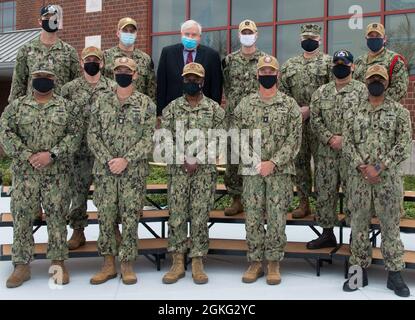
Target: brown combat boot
[62, 277]
[273, 275]
[21, 273]
[235, 208]
[303, 210]
[176, 271]
[77, 239]
[254, 272]
[198, 274]
[118, 236]
[128, 275]
[108, 271]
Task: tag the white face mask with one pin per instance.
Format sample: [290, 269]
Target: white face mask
[248, 40]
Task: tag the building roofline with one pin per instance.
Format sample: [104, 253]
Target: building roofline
[21, 30]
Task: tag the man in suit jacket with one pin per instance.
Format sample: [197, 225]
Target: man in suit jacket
[174, 58]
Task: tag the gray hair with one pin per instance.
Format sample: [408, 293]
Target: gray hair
[190, 23]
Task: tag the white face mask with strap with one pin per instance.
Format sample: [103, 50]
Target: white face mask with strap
[248, 40]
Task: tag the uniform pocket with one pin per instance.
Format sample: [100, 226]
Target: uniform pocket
[359, 133]
[58, 122]
[279, 123]
[388, 124]
[319, 72]
[106, 120]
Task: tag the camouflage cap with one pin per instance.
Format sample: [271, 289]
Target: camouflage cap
[43, 67]
[125, 22]
[194, 68]
[91, 51]
[248, 25]
[268, 61]
[310, 29]
[343, 56]
[375, 27]
[379, 70]
[125, 62]
[49, 9]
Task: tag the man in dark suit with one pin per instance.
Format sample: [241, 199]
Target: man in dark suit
[174, 58]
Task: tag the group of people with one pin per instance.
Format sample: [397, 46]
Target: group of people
[66, 130]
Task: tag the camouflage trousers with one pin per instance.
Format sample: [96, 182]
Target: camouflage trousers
[81, 182]
[303, 179]
[190, 198]
[383, 199]
[28, 193]
[233, 181]
[330, 174]
[121, 196]
[266, 199]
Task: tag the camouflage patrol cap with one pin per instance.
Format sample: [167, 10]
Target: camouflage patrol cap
[125, 22]
[268, 61]
[248, 25]
[43, 67]
[310, 29]
[194, 68]
[125, 62]
[49, 9]
[91, 51]
[375, 27]
[379, 70]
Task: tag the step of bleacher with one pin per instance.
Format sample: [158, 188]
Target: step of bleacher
[159, 246]
[343, 252]
[151, 189]
[406, 225]
[216, 216]
[145, 246]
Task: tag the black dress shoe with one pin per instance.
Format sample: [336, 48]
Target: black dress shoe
[397, 284]
[349, 286]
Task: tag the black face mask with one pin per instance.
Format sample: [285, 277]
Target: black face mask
[123, 79]
[376, 88]
[267, 81]
[43, 85]
[341, 71]
[310, 45]
[375, 44]
[92, 68]
[192, 88]
[49, 26]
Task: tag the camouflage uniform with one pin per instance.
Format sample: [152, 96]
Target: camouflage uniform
[146, 82]
[398, 86]
[28, 127]
[83, 95]
[63, 57]
[240, 80]
[120, 131]
[280, 123]
[300, 78]
[328, 109]
[377, 135]
[191, 196]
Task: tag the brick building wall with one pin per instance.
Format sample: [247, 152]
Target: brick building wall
[77, 24]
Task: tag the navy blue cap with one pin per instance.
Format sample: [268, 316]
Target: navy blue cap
[49, 9]
[343, 55]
